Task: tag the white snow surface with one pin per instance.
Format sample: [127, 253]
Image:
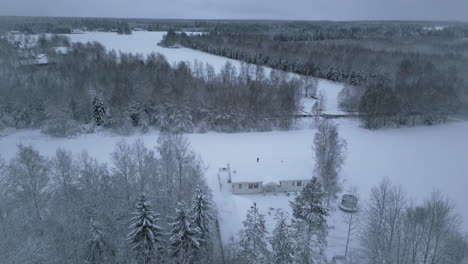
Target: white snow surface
[270, 168]
[421, 159]
[145, 43]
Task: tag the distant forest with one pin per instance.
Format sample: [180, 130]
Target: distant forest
[400, 73]
[92, 86]
[396, 74]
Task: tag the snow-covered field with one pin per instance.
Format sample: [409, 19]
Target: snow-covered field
[145, 43]
[420, 159]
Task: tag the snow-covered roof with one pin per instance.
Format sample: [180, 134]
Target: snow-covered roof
[271, 170]
[41, 59]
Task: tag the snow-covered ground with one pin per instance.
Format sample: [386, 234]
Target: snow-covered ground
[145, 43]
[420, 159]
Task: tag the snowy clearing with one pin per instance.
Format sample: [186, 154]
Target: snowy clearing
[421, 159]
[145, 43]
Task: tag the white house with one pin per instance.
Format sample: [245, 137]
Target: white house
[77, 31]
[264, 177]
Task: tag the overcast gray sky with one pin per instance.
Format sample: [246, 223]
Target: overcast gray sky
[245, 9]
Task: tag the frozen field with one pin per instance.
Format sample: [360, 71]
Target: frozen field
[145, 43]
[420, 159]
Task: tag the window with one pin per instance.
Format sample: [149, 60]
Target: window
[299, 183]
[240, 185]
[253, 185]
[292, 183]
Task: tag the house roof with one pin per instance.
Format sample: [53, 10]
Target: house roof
[41, 59]
[268, 170]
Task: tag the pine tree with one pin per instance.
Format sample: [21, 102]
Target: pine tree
[281, 242]
[310, 221]
[144, 234]
[99, 110]
[100, 250]
[253, 241]
[200, 212]
[185, 239]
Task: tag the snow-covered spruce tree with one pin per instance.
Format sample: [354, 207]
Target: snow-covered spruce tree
[310, 223]
[200, 212]
[99, 248]
[184, 242]
[281, 242]
[253, 241]
[145, 235]
[99, 110]
[329, 151]
[182, 121]
[201, 216]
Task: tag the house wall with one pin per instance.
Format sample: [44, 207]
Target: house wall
[292, 186]
[243, 188]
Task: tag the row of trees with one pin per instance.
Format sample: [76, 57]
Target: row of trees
[64, 25]
[420, 94]
[122, 90]
[74, 209]
[407, 70]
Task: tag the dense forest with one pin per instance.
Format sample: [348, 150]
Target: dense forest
[151, 205]
[92, 86]
[418, 70]
[148, 204]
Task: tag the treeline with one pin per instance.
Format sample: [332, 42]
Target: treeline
[420, 94]
[361, 55]
[92, 86]
[389, 228]
[64, 25]
[146, 206]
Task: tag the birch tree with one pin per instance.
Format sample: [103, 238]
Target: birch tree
[330, 154]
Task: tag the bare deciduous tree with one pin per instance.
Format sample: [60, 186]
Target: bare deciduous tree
[330, 153]
[29, 174]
